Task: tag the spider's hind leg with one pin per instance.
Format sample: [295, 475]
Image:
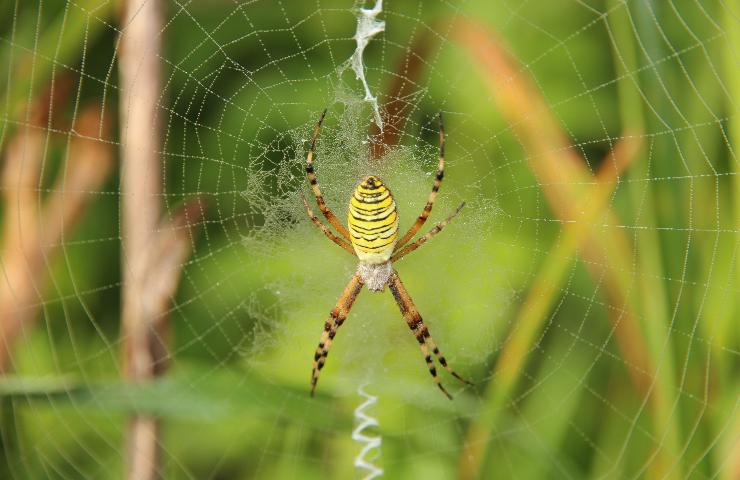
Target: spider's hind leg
[336, 317]
[420, 330]
[441, 358]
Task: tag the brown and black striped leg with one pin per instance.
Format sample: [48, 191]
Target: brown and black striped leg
[336, 318]
[442, 360]
[433, 195]
[330, 217]
[422, 240]
[421, 332]
[326, 231]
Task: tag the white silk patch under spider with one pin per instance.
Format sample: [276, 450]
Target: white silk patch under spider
[367, 27]
[369, 442]
[375, 275]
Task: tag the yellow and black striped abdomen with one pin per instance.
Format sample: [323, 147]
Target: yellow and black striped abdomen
[373, 221]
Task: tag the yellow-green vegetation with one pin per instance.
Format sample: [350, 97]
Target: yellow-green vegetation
[589, 288]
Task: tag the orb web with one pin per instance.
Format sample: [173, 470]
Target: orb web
[595, 144]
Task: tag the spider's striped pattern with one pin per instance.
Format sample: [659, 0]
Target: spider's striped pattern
[373, 238]
[373, 221]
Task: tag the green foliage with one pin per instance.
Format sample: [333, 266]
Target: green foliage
[243, 86]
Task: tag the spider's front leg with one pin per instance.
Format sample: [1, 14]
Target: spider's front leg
[336, 317]
[400, 253]
[313, 181]
[421, 332]
[346, 246]
[433, 195]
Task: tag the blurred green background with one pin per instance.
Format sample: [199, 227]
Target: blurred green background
[591, 293]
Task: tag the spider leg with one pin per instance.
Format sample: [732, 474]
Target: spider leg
[336, 317]
[421, 332]
[422, 240]
[333, 220]
[433, 195]
[339, 241]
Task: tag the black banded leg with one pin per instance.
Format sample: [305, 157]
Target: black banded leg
[346, 246]
[442, 360]
[420, 330]
[336, 318]
[422, 240]
[322, 350]
[433, 195]
[311, 175]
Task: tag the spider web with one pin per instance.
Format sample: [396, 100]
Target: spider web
[630, 370]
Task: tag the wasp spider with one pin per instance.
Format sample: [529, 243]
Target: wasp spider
[373, 238]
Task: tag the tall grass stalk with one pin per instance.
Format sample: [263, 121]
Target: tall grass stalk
[536, 309]
[651, 296]
[727, 455]
[564, 178]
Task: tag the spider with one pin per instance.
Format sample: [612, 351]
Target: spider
[372, 238]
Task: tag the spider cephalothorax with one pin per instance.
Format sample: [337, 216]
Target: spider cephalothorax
[373, 238]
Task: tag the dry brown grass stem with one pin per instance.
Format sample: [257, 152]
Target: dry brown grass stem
[34, 227]
[402, 86]
[154, 249]
[564, 178]
[524, 336]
